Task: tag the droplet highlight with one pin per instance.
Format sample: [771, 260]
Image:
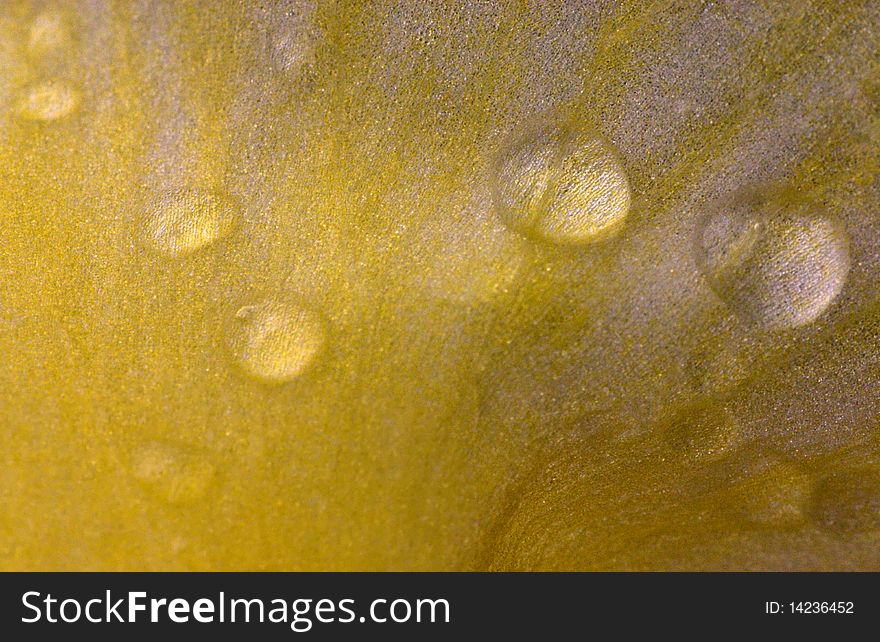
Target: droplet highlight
[562, 185]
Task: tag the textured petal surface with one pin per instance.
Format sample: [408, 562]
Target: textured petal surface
[423, 285]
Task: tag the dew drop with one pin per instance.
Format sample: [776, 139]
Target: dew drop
[563, 186]
[188, 220]
[175, 474]
[293, 40]
[276, 342]
[848, 501]
[49, 31]
[705, 433]
[777, 269]
[47, 101]
[777, 497]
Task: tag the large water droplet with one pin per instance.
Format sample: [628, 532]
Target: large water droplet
[774, 267]
[562, 185]
[275, 341]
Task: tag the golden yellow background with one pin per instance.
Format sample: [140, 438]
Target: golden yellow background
[315, 285]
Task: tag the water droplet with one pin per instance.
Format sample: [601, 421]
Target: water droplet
[562, 185]
[173, 473]
[276, 341]
[48, 100]
[293, 39]
[776, 497]
[777, 269]
[49, 31]
[848, 501]
[707, 432]
[188, 220]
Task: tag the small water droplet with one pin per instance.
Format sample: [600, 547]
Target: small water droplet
[49, 31]
[173, 473]
[776, 498]
[188, 220]
[293, 39]
[47, 101]
[707, 432]
[848, 501]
